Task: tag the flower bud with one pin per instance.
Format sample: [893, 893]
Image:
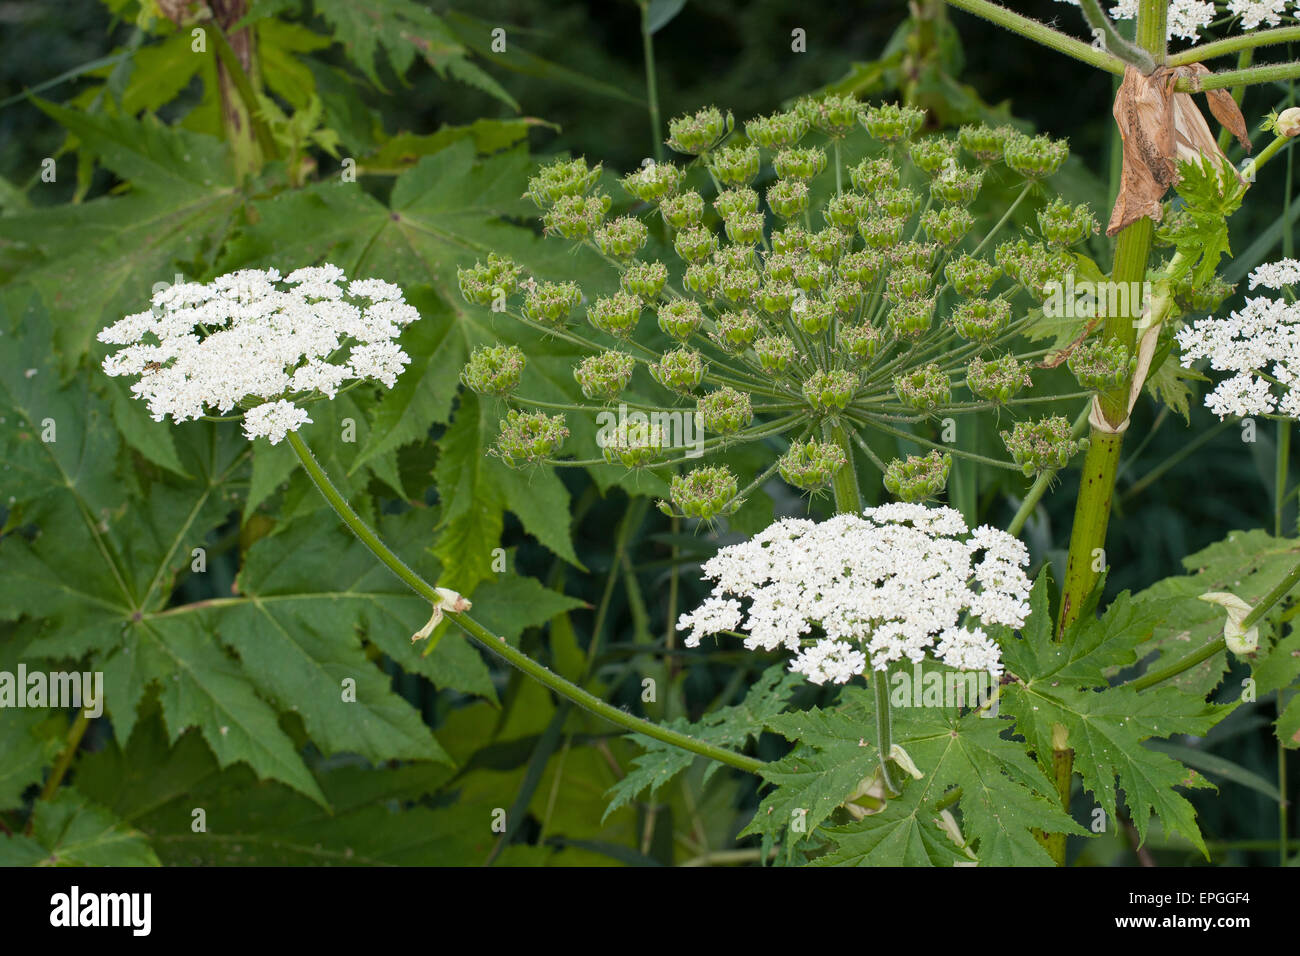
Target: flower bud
[811, 465]
[622, 238]
[891, 123]
[970, 276]
[561, 178]
[734, 165]
[881, 232]
[830, 390]
[695, 243]
[551, 303]
[914, 255]
[957, 186]
[680, 370]
[778, 130]
[680, 318]
[645, 280]
[1063, 225]
[812, 275]
[844, 211]
[998, 380]
[702, 278]
[1102, 364]
[735, 200]
[947, 225]
[704, 493]
[981, 320]
[787, 198]
[653, 181]
[860, 342]
[933, 154]
[1041, 446]
[740, 286]
[775, 352]
[485, 284]
[575, 217]
[695, 134]
[828, 245]
[493, 370]
[633, 444]
[777, 296]
[984, 142]
[1206, 297]
[863, 266]
[735, 331]
[684, 209]
[907, 282]
[813, 316]
[800, 163]
[899, 202]
[1034, 157]
[918, 478]
[1288, 122]
[616, 315]
[845, 296]
[789, 240]
[604, 376]
[873, 175]
[724, 411]
[835, 115]
[529, 437]
[745, 228]
[911, 318]
[925, 389]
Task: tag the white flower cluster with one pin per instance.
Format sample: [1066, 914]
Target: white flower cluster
[1259, 343]
[895, 582]
[1187, 18]
[253, 340]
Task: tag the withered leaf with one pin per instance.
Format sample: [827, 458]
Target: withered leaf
[1160, 127]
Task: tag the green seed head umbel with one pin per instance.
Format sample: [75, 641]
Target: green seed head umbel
[530, 437]
[918, 477]
[1042, 446]
[703, 493]
[811, 465]
[494, 370]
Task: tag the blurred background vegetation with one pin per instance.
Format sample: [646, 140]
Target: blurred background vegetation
[578, 69]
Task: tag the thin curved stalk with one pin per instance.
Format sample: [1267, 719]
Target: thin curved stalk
[497, 645]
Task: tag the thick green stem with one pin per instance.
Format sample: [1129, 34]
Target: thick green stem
[1041, 33]
[498, 645]
[1101, 464]
[1253, 76]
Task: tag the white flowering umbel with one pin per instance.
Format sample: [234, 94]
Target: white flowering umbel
[256, 341]
[897, 582]
[1259, 344]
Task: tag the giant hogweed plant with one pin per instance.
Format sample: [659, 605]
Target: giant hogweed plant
[890, 313]
[776, 323]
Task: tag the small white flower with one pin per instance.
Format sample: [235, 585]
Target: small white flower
[856, 591]
[251, 339]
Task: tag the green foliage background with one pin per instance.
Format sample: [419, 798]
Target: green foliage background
[222, 685]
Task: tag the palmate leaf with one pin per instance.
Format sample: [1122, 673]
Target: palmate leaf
[731, 726]
[1003, 796]
[102, 258]
[69, 830]
[1063, 689]
[92, 571]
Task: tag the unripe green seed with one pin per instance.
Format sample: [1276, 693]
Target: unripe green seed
[811, 465]
[530, 437]
[830, 390]
[493, 370]
[604, 376]
[925, 389]
[679, 371]
[724, 411]
[919, 477]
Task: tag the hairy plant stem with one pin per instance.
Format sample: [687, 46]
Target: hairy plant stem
[66, 755]
[497, 645]
[1041, 33]
[1237, 44]
[1252, 76]
[1101, 463]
